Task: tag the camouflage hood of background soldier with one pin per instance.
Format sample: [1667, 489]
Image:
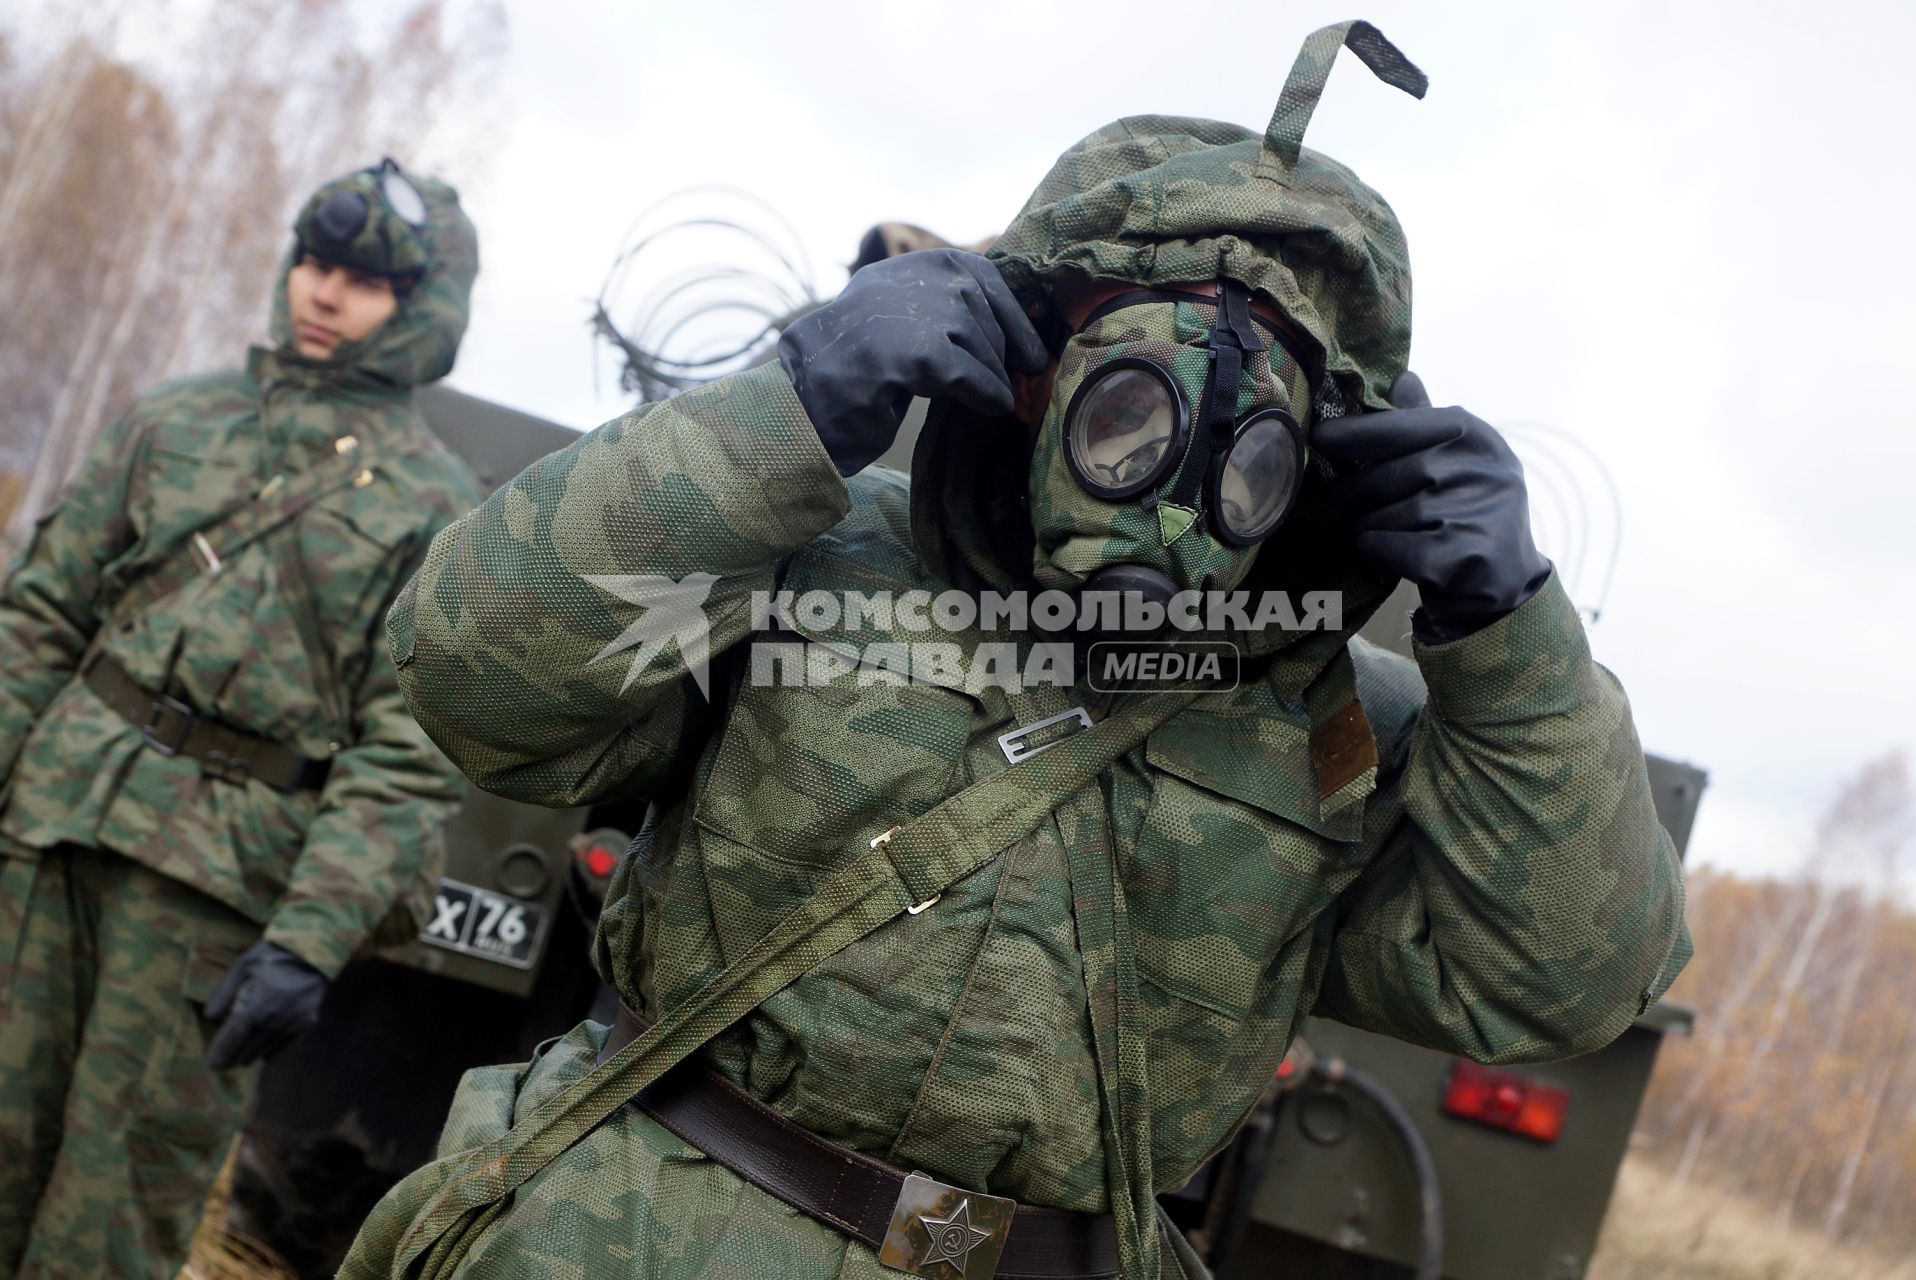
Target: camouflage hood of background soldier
[1161, 200]
[430, 250]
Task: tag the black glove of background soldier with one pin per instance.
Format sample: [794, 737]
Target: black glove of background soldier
[268, 998]
[938, 323]
[1435, 496]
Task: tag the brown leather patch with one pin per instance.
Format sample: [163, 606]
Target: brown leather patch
[1342, 747]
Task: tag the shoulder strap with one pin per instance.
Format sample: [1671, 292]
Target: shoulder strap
[903, 869]
[279, 502]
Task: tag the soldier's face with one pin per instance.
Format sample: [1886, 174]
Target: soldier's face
[329, 304]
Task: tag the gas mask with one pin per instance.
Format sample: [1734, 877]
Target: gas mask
[371, 220]
[1174, 444]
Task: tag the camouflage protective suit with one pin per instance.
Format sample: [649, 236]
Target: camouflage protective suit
[1459, 851]
[129, 879]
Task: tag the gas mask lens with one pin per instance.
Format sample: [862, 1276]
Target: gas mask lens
[1253, 491]
[402, 197]
[1124, 426]
[1125, 431]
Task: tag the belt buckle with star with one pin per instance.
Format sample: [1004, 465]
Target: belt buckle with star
[946, 1232]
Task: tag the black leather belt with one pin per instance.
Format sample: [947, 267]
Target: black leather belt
[172, 728]
[917, 1225]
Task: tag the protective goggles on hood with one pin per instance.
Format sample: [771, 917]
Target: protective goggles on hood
[371, 220]
[1129, 424]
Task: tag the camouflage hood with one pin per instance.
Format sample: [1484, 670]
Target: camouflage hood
[431, 252]
[1163, 199]
[1157, 201]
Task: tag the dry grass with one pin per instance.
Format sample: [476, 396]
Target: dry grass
[217, 1255]
[1659, 1230]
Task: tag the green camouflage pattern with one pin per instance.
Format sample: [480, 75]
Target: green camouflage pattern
[111, 1125]
[113, 856]
[1078, 533]
[419, 344]
[1165, 199]
[284, 642]
[1091, 1014]
[385, 243]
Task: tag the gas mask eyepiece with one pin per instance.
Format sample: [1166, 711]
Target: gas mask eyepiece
[1129, 424]
[339, 219]
[401, 196]
[1124, 427]
[1257, 483]
[372, 220]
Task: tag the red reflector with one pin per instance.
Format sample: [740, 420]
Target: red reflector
[1506, 1100]
[599, 861]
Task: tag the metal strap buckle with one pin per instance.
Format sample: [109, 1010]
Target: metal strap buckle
[948, 1232]
[227, 768]
[149, 730]
[1012, 744]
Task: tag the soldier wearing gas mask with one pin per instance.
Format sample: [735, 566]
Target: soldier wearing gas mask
[214, 795]
[907, 986]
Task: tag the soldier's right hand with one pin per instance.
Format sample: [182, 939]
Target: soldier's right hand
[939, 323]
[269, 997]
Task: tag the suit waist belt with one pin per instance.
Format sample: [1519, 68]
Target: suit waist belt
[918, 1225]
[172, 728]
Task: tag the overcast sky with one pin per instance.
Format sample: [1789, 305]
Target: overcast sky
[1678, 232]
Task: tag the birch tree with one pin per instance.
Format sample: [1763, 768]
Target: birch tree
[1798, 1088]
[147, 194]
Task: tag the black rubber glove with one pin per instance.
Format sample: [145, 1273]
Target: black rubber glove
[267, 998]
[938, 323]
[1435, 496]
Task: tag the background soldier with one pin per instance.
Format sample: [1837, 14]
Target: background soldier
[895, 937]
[214, 793]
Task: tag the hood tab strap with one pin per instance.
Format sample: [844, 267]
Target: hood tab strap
[1284, 136]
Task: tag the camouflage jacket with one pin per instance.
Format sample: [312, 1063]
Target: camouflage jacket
[283, 642]
[1497, 885]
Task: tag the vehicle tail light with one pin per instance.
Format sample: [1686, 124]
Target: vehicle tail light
[599, 861]
[1296, 1067]
[1505, 1100]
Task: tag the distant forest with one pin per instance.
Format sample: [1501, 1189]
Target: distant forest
[1798, 1088]
[152, 157]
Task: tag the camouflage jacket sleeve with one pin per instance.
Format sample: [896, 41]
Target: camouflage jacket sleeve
[552, 642]
[1522, 901]
[48, 601]
[374, 848]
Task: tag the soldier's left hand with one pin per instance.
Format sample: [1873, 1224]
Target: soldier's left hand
[269, 997]
[1435, 496]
